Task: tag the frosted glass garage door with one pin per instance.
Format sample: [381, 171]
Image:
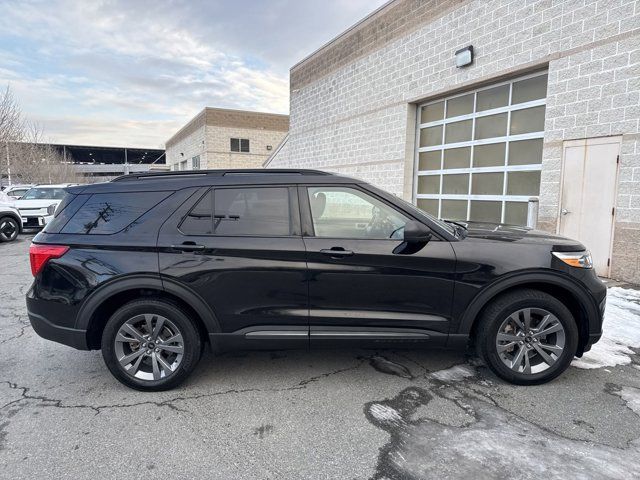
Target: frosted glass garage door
[479, 153]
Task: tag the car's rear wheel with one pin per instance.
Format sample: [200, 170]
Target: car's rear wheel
[151, 345]
[9, 229]
[527, 337]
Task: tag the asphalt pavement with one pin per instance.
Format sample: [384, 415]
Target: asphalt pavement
[290, 415]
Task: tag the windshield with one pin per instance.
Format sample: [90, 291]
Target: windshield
[42, 193]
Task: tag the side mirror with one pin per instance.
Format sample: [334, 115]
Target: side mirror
[416, 232]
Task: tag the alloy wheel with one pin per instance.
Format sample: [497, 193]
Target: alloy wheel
[8, 229]
[530, 340]
[149, 347]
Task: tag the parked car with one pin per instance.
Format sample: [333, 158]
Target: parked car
[16, 191]
[10, 219]
[39, 203]
[150, 267]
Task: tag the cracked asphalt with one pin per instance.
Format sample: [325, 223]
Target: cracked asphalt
[290, 415]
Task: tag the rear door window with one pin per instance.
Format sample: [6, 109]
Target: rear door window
[106, 213]
[199, 221]
[257, 211]
[252, 211]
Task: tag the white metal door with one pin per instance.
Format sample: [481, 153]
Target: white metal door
[588, 195]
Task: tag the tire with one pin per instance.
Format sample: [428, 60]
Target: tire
[503, 353]
[166, 360]
[9, 229]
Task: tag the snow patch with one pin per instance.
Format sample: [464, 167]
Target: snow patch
[456, 373]
[621, 330]
[631, 395]
[384, 413]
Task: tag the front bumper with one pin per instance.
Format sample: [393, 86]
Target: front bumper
[35, 221]
[68, 336]
[595, 336]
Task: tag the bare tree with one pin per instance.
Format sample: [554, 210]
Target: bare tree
[11, 128]
[35, 160]
[27, 157]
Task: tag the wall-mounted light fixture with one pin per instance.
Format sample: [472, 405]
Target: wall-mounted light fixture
[182, 154]
[464, 56]
[269, 147]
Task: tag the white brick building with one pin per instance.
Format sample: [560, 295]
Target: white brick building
[550, 107]
[222, 138]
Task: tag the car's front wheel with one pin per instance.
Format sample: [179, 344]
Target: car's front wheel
[9, 229]
[150, 345]
[527, 337]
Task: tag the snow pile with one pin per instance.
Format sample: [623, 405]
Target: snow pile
[621, 330]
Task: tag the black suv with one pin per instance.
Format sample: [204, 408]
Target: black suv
[151, 267]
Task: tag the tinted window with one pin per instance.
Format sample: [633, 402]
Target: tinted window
[106, 213]
[252, 211]
[342, 212]
[199, 220]
[38, 193]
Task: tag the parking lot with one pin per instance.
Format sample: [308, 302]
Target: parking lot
[323, 414]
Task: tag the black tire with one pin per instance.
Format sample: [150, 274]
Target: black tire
[9, 229]
[192, 343]
[499, 310]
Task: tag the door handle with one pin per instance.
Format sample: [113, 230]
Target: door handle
[336, 252]
[188, 247]
[564, 211]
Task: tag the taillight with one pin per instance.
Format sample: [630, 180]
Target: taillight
[41, 254]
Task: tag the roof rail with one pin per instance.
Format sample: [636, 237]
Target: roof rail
[217, 173]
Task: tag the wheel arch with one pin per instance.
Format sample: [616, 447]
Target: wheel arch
[101, 304]
[570, 293]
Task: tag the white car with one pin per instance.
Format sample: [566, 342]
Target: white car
[38, 205]
[16, 191]
[10, 219]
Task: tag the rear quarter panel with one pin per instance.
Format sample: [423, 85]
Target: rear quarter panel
[94, 261]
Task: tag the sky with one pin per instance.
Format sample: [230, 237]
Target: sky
[131, 73]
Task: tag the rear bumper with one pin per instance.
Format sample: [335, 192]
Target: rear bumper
[67, 336]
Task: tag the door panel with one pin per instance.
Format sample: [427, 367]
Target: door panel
[588, 195]
[360, 285]
[252, 283]
[379, 289]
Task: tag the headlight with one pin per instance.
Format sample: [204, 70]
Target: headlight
[575, 259]
[51, 209]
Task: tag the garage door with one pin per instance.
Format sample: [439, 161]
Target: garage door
[479, 153]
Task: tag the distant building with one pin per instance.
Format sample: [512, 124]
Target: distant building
[110, 162]
[93, 162]
[221, 138]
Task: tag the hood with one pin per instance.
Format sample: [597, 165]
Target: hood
[499, 232]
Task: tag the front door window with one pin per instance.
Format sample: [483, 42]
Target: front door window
[344, 212]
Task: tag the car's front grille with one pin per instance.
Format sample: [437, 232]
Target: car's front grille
[31, 222]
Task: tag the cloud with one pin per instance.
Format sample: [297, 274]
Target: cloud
[104, 71]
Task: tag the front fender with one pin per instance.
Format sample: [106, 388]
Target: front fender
[531, 278]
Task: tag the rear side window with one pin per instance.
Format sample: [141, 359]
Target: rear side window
[105, 213]
[241, 211]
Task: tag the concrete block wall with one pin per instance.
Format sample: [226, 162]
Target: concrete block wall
[352, 116]
[219, 155]
[190, 146]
